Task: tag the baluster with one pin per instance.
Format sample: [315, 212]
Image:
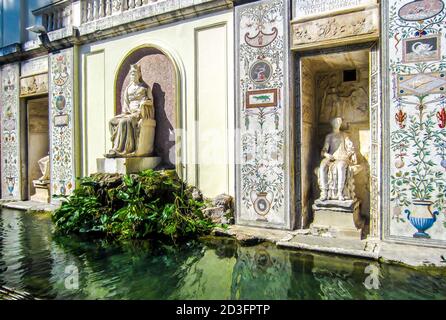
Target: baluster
[101, 8]
[138, 3]
[95, 9]
[50, 22]
[59, 13]
[131, 4]
[45, 21]
[83, 12]
[69, 15]
[108, 7]
[124, 5]
[89, 10]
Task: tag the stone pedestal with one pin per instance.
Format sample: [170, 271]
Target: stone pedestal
[126, 165]
[42, 191]
[339, 218]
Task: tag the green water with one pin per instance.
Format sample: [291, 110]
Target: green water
[34, 260]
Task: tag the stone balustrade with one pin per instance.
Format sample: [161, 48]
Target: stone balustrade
[55, 17]
[92, 10]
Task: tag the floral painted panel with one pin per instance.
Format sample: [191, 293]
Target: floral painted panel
[10, 134]
[417, 97]
[262, 75]
[61, 123]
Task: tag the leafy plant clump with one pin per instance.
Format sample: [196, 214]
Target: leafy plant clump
[148, 204]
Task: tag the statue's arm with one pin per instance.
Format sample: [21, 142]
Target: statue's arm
[326, 148]
[350, 147]
[146, 105]
[126, 108]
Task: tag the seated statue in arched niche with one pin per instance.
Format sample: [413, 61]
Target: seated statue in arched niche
[133, 131]
[338, 166]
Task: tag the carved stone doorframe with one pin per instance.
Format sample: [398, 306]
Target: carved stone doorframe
[375, 130]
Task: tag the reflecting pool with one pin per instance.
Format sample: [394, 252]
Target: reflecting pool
[68, 267]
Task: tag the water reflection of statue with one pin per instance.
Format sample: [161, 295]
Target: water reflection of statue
[44, 165]
[339, 156]
[133, 131]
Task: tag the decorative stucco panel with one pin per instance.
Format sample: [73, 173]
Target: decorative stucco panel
[10, 132]
[62, 150]
[262, 114]
[416, 83]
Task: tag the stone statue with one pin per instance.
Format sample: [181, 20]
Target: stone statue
[335, 174]
[44, 165]
[133, 131]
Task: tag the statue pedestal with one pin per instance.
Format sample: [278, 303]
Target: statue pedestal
[42, 191]
[340, 218]
[126, 165]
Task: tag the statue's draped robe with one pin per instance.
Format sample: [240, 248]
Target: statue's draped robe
[345, 157]
[126, 126]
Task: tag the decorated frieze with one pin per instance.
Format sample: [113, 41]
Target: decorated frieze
[262, 114]
[10, 132]
[416, 82]
[307, 9]
[34, 85]
[345, 28]
[62, 110]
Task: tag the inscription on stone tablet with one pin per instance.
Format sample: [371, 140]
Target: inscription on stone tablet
[305, 8]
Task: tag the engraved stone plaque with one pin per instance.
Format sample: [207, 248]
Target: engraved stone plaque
[304, 9]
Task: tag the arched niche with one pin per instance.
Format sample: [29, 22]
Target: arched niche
[159, 72]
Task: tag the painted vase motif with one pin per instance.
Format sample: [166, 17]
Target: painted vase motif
[10, 181]
[262, 202]
[421, 217]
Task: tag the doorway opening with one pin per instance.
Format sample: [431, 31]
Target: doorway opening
[334, 85]
[38, 149]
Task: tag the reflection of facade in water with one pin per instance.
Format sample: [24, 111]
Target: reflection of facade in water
[337, 280]
[261, 273]
[10, 262]
[37, 255]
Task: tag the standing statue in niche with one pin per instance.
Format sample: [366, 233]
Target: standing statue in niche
[338, 166]
[44, 165]
[133, 131]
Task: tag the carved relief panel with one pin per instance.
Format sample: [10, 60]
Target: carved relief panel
[335, 28]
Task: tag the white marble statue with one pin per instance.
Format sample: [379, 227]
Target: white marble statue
[44, 165]
[133, 131]
[335, 174]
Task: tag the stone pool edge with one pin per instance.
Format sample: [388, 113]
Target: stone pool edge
[377, 250]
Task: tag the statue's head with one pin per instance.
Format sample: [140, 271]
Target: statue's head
[135, 73]
[336, 123]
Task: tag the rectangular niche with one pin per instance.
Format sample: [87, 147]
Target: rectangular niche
[334, 85]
